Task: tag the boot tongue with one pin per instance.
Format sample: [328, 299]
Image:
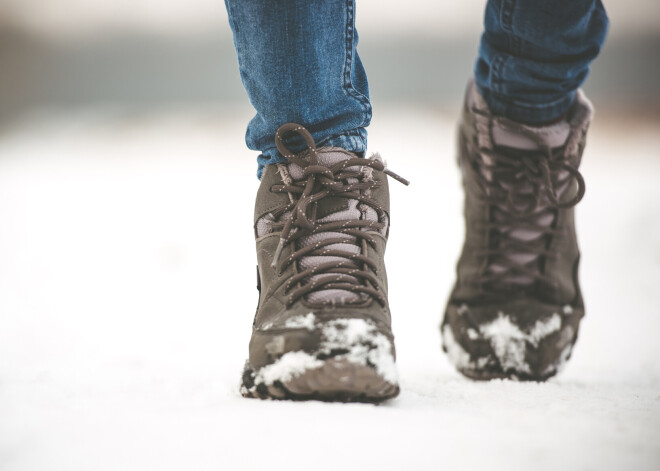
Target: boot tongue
[505, 134]
[326, 157]
[554, 135]
[328, 205]
[331, 209]
[528, 138]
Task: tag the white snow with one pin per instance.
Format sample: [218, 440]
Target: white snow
[289, 366]
[302, 322]
[472, 334]
[364, 343]
[509, 342]
[127, 294]
[457, 355]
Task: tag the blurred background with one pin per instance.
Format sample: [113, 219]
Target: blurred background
[127, 264]
[67, 54]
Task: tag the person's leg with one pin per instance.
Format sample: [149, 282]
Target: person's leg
[298, 63]
[322, 328]
[535, 54]
[516, 306]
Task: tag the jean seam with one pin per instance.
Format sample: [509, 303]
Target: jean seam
[496, 68]
[506, 15]
[239, 52]
[349, 89]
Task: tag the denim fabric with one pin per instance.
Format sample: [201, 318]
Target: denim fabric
[534, 54]
[298, 63]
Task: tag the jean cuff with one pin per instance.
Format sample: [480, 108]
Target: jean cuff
[352, 141]
[528, 113]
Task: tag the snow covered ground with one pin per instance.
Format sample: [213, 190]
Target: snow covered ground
[127, 291]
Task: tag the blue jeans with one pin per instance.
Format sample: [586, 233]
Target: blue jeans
[534, 54]
[298, 62]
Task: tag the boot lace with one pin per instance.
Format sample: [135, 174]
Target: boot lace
[524, 191]
[355, 272]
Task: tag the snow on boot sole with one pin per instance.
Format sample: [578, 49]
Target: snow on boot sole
[501, 349]
[336, 380]
[335, 360]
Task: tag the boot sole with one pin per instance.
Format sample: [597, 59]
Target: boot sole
[335, 380]
[477, 375]
[492, 368]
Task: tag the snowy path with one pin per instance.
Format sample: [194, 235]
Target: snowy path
[127, 290]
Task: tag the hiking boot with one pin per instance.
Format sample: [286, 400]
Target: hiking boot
[516, 306]
[322, 327]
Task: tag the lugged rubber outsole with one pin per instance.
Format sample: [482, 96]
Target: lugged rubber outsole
[335, 380]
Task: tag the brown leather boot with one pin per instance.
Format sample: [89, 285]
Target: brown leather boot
[322, 328]
[516, 306]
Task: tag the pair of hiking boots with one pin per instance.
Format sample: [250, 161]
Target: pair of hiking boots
[322, 328]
